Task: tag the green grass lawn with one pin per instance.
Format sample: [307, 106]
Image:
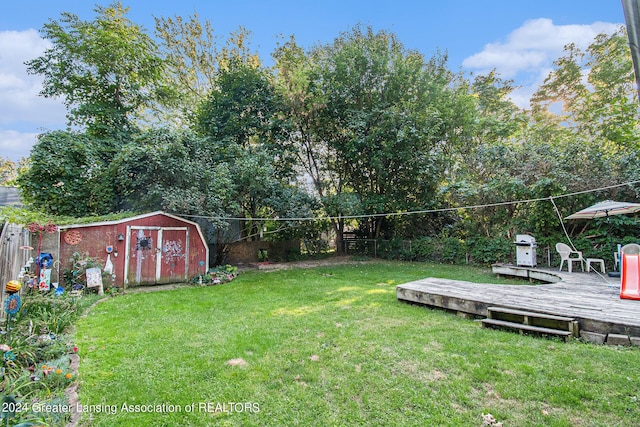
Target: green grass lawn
[333, 346]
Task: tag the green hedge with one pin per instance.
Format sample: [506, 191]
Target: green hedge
[448, 250]
[484, 250]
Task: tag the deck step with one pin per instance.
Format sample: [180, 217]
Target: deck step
[529, 328]
[524, 320]
[494, 310]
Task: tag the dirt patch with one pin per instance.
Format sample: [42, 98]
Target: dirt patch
[275, 266]
[237, 362]
[263, 266]
[156, 288]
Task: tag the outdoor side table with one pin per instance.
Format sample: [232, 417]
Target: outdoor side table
[595, 261]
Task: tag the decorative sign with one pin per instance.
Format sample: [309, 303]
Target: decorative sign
[73, 237]
[44, 284]
[94, 277]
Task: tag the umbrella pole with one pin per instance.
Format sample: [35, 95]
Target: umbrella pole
[611, 246]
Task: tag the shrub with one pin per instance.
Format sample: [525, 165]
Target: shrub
[215, 276]
[489, 250]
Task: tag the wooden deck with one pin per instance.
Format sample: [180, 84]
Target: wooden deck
[592, 300]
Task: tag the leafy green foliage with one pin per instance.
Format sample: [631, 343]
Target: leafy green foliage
[387, 119]
[106, 70]
[173, 171]
[481, 251]
[367, 126]
[68, 176]
[241, 107]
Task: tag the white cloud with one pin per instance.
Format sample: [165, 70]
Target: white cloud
[23, 112]
[19, 99]
[16, 145]
[528, 53]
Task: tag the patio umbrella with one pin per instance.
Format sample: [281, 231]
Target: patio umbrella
[606, 209]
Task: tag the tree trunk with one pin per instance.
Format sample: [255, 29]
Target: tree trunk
[378, 227]
[338, 227]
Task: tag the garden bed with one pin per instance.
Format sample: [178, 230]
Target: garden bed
[38, 357]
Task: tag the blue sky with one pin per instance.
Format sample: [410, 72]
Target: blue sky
[520, 38]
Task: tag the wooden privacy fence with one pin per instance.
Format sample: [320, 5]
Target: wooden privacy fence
[12, 256]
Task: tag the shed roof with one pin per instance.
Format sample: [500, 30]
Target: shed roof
[125, 220]
[133, 218]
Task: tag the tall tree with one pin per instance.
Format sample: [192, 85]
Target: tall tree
[241, 117]
[109, 74]
[579, 135]
[390, 117]
[191, 50]
[486, 171]
[107, 71]
[194, 54]
[296, 82]
[241, 107]
[601, 111]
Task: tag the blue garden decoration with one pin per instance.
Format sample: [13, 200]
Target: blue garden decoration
[12, 304]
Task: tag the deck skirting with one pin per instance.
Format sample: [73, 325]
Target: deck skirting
[594, 302]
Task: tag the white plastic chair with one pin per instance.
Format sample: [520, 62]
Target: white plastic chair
[566, 253]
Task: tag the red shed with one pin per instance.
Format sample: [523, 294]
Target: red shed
[147, 249]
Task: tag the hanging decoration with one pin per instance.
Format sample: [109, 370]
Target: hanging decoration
[109, 248]
[72, 237]
[143, 242]
[108, 265]
[50, 228]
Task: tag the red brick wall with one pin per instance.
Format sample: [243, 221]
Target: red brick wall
[247, 252]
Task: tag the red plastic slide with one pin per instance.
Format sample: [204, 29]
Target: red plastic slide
[630, 277]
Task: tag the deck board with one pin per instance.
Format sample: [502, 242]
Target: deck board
[593, 300]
